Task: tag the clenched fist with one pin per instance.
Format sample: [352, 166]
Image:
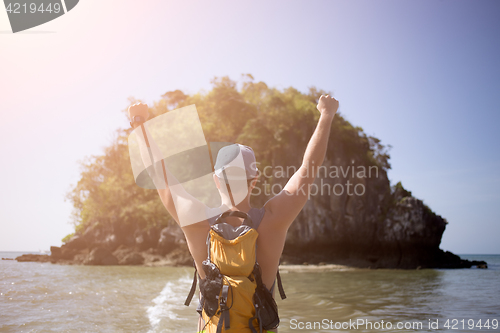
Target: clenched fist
[138, 109]
[327, 105]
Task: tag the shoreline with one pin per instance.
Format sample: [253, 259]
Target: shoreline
[284, 268]
[320, 268]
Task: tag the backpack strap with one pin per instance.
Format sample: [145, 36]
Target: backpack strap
[257, 316]
[224, 311]
[236, 213]
[280, 285]
[250, 323]
[193, 289]
[256, 214]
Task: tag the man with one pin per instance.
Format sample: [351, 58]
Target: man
[277, 214]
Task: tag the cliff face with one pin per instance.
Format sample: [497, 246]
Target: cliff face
[359, 220]
[410, 236]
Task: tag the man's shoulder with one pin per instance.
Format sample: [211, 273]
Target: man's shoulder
[256, 215]
[277, 211]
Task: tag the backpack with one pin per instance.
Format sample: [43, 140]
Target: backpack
[233, 297]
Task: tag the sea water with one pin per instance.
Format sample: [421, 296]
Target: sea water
[44, 297]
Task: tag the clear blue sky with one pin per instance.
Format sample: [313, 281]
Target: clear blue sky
[423, 76]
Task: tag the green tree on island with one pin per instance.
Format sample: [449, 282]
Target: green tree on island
[275, 123]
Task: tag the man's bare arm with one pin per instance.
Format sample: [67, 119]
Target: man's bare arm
[184, 201]
[290, 201]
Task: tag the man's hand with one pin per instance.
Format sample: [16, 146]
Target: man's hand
[138, 109]
[327, 105]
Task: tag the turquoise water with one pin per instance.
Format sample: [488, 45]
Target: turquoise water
[42, 297]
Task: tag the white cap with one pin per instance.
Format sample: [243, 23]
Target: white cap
[236, 162]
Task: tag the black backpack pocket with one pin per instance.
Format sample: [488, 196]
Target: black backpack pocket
[210, 288]
[266, 309]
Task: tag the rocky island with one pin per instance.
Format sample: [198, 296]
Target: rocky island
[355, 218]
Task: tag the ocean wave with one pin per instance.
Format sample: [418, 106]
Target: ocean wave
[167, 305]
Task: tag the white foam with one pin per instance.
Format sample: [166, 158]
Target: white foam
[170, 299]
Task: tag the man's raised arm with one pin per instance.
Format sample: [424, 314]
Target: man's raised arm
[181, 205]
[289, 202]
